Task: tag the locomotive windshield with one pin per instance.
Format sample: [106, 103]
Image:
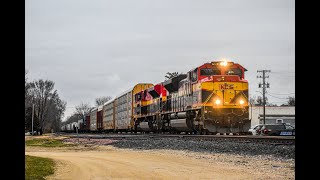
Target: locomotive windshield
[234, 71]
[209, 72]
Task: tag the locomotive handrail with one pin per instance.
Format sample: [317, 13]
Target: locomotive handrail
[203, 104]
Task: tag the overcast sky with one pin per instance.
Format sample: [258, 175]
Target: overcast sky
[93, 48]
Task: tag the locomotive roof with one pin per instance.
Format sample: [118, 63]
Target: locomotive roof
[219, 61]
[130, 89]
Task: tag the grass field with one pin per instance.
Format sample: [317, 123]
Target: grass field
[47, 143]
[36, 168]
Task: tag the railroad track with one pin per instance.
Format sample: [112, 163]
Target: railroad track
[275, 140]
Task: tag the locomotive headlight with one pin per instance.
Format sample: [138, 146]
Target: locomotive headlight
[241, 101]
[218, 102]
[224, 63]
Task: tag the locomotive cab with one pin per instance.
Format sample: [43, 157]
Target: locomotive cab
[212, 98]
[221, 93]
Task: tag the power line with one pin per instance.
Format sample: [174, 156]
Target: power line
[282, 72]
[284, 75]
[276, 97]
[281, 94]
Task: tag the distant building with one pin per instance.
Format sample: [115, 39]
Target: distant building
[274, 114]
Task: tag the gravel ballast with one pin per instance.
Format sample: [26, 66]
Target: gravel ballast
[212, 146]
[238, 148]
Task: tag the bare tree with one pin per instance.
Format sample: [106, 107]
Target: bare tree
[101, 100]
[171, 75]
[48, 107]
[291, 101]
[259, 101]
[55, 113]
[43, 92]
[82, 110]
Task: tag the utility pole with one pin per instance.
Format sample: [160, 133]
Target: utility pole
[264, 85]
[32, 118]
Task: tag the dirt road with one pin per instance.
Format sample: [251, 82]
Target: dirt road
[107, 162]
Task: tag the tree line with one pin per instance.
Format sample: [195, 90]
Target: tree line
[258, 101]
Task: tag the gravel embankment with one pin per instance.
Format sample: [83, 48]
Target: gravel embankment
[238, 148]
[214, 146]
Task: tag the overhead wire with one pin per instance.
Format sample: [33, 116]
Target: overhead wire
[282, 72]
[285, 74]
[281, 94]
[276, 96]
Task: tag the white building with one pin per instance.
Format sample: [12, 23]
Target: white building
[274, 114]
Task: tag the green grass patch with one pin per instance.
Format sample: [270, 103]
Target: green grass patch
[47, 143]
[37, 168]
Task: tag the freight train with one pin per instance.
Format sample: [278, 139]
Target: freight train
[209, 99]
